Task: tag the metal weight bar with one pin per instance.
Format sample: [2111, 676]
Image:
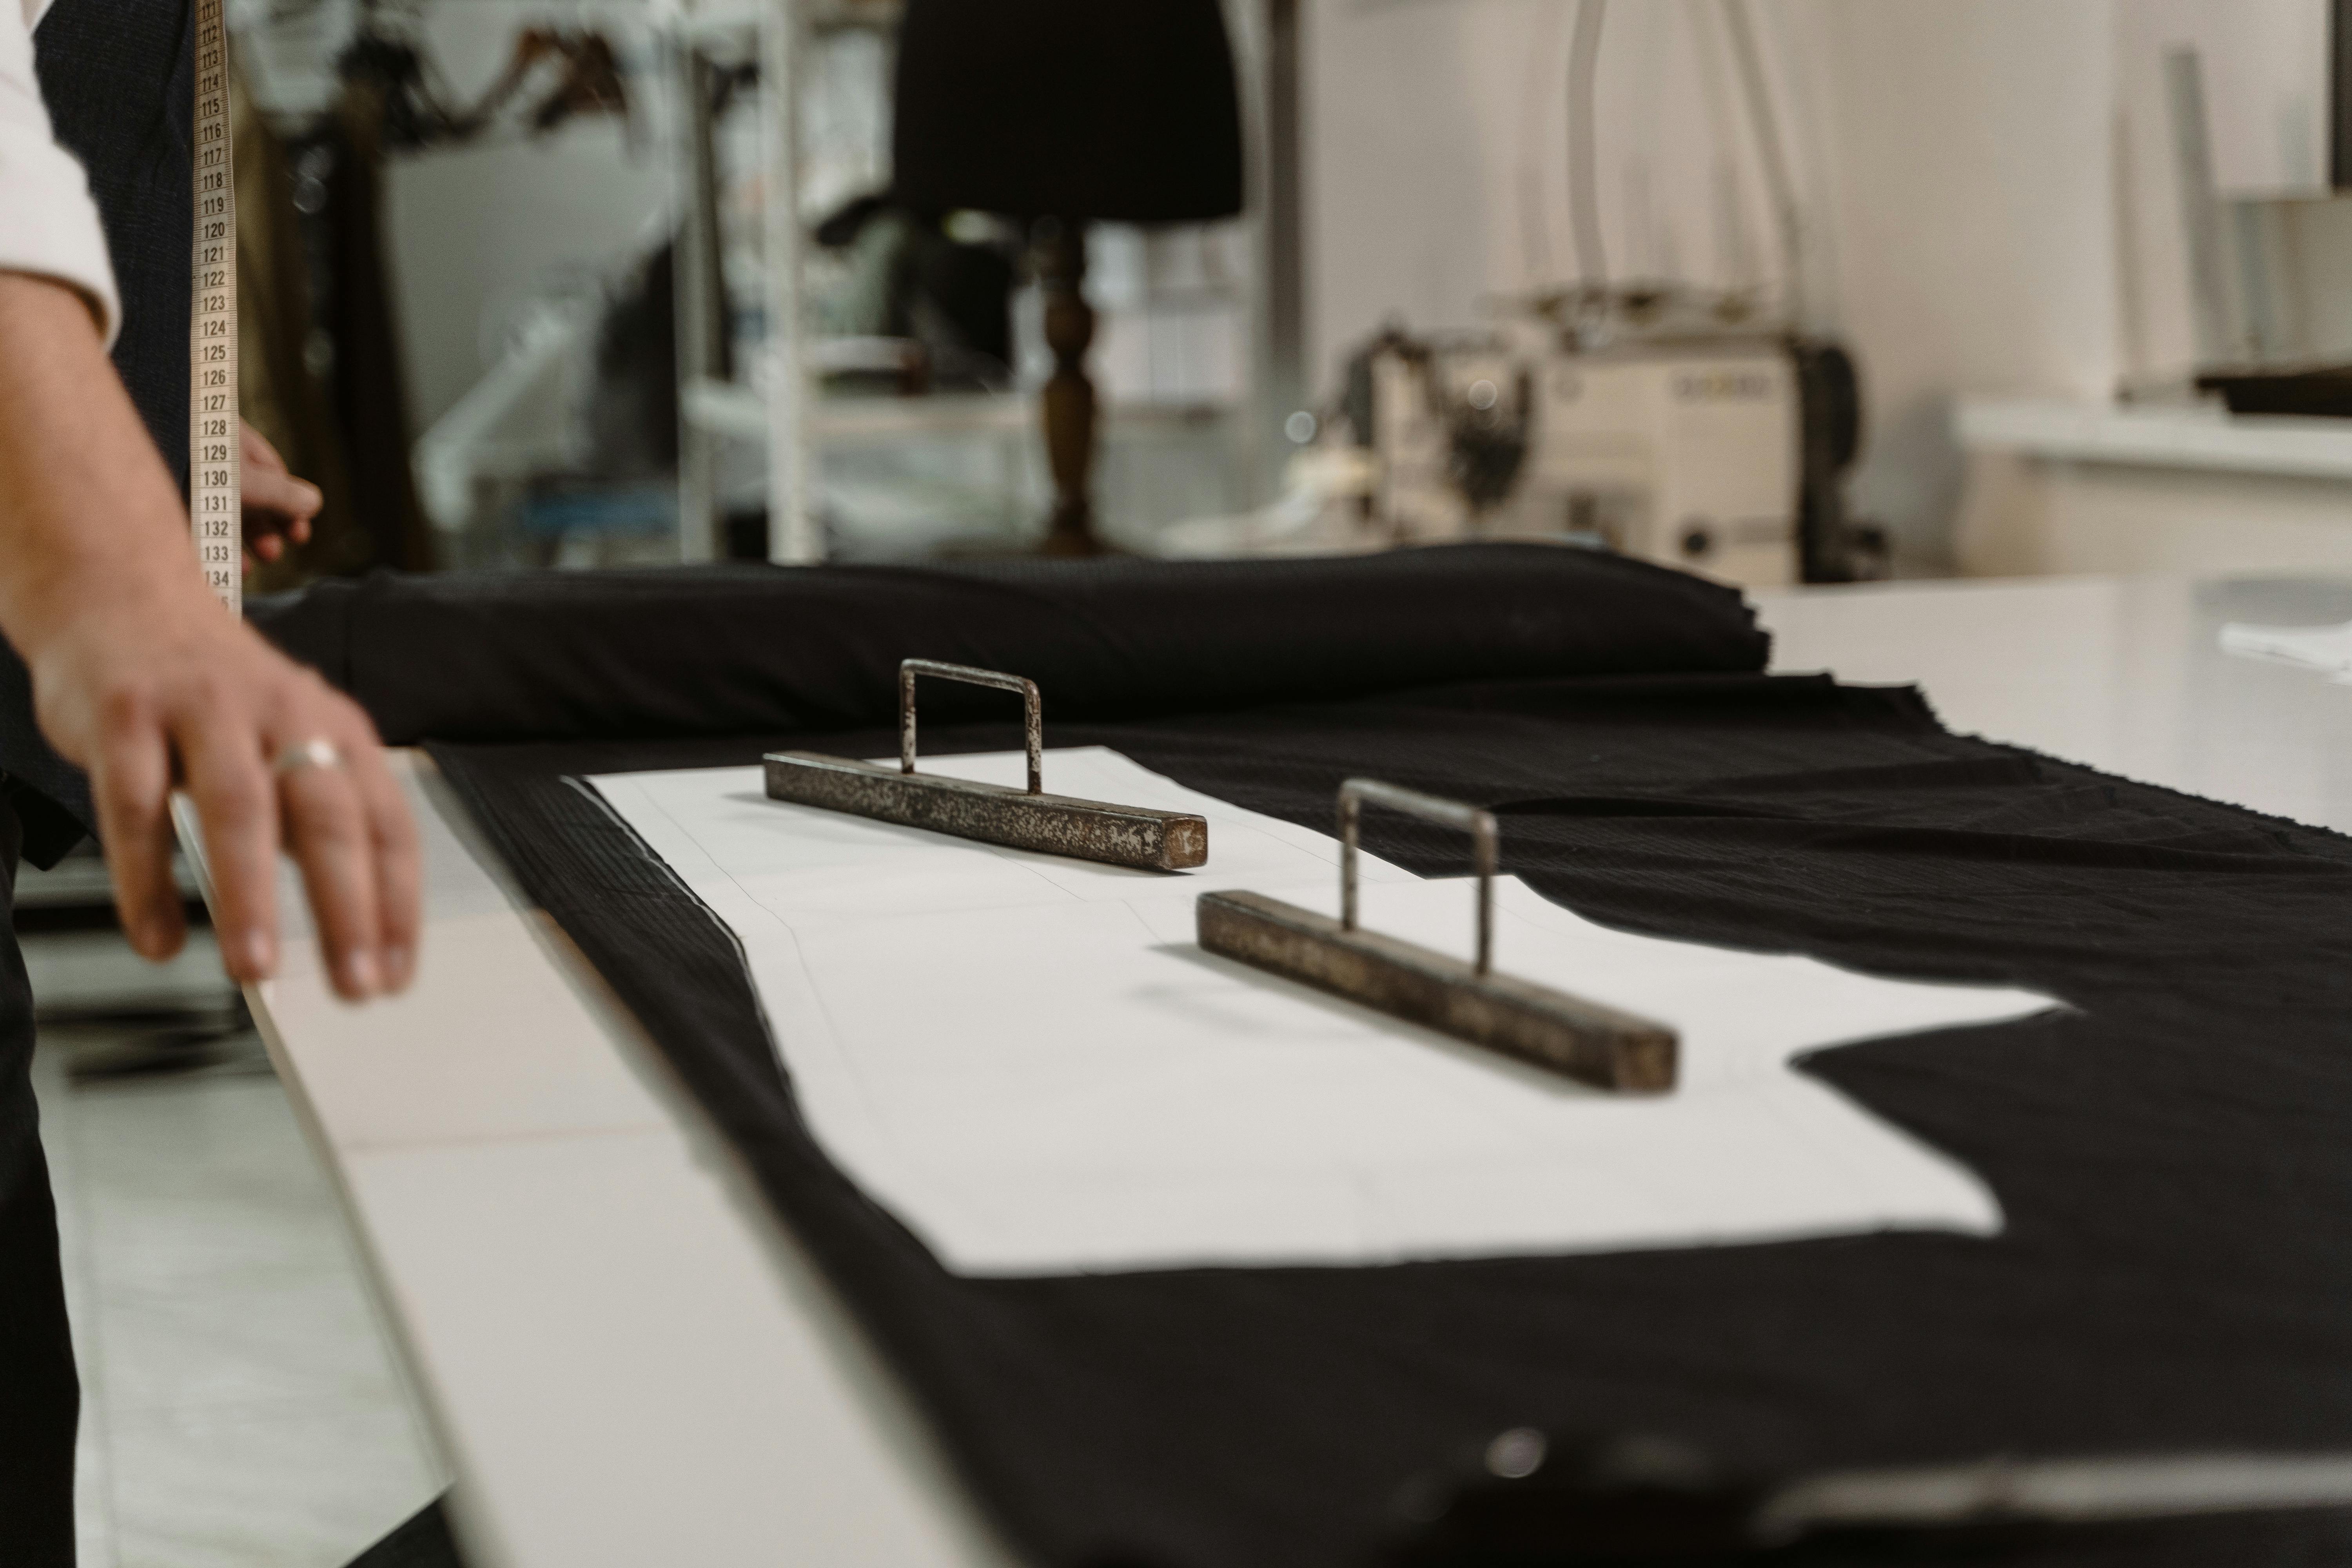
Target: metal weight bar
[1587, 1040]
[992, 814]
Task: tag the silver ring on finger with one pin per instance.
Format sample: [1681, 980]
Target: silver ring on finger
[315, 752]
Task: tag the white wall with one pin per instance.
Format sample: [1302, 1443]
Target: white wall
[1974, 208]
[1956, 156]
[1437, 150]
[476, 231]
[2264, 64]
[1399, 185]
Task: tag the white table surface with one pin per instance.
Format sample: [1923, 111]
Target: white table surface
[2126, 674]
[628, 1361]
[625, 1361]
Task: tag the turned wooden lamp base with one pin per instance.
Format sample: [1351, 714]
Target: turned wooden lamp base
[1068, 403]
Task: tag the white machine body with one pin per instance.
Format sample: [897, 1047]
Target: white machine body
[1687, 454]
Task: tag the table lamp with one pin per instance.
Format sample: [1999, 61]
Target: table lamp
[1058, 113]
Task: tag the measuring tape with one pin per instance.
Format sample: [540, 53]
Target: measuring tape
[215, 509]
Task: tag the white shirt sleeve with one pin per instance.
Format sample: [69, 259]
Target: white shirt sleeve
[48, 224]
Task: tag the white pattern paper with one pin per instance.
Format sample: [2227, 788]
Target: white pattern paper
[1032, 1064]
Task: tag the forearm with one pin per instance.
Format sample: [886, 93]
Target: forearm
[90, 520]
[141, 678]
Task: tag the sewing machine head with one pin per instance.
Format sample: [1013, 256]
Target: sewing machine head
[1685, 452]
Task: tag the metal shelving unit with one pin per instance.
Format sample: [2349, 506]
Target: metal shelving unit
[720, 404]
[779, 29]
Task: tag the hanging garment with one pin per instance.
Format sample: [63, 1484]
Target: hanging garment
[368, 382]
[277, 393]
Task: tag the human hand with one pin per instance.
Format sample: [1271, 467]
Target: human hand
[141, 678]
[150, 696]
[277, 506]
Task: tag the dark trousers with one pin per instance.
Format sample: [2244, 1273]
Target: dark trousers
[40, 1399]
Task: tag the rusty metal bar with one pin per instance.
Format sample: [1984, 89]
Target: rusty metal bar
[992, 814]
[1588, 1040]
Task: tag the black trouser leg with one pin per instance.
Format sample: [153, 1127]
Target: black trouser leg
[39, 1398]
[423, 1542]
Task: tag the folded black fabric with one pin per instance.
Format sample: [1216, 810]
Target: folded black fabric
[735, 649]
[2169, 1151]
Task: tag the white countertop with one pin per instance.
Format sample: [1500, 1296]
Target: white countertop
[2126, 674]
[2164, 436]
[628, 1360]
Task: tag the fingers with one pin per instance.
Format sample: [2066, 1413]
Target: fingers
[398, 871]
[131, 780]
[328, 835]
[349, 829]
[276, 503]
[277, 506]
[256, 449]
[221, 757]
[210, 706]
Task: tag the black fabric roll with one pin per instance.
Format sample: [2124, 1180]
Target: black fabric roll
[746, 649]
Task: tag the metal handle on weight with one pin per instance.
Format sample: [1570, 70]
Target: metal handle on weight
[1032, 709]
[1478, 824]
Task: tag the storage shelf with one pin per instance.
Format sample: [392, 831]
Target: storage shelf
[731, 409]
[2158, 436]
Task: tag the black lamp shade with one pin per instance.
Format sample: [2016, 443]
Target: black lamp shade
[1119, 110]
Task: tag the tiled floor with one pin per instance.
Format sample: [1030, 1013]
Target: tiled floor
[240, 1404]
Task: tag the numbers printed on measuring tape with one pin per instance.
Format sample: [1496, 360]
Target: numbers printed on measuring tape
[214, 508]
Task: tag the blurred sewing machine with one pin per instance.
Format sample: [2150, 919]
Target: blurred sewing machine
[1722, 454]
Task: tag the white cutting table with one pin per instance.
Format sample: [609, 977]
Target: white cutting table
[629, 1362]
